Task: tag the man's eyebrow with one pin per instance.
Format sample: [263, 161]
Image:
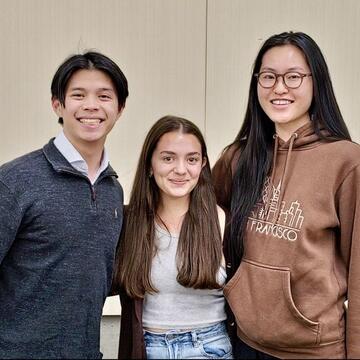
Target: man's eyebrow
[83, 89]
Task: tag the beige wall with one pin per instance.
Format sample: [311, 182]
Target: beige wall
[190, 58]
[236, 30]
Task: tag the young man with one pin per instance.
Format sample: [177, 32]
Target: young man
[60, 220]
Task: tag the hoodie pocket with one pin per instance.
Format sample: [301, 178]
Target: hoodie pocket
[260, 298]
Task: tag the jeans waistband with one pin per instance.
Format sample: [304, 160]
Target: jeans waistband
[188, 335]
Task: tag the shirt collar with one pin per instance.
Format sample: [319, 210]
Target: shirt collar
[70, 153]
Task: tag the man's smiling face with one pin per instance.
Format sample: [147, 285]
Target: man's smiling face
[91, 108]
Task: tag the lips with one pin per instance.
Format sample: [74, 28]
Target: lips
[178, 182]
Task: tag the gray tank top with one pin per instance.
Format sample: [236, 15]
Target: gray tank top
[175, 306]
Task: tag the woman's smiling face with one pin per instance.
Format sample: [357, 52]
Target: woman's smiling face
[287, 108]
[176, 164]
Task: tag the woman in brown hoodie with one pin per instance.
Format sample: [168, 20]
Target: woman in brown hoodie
[291, 184]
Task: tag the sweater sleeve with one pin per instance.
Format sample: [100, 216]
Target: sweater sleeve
[10, 217]
[349, 215]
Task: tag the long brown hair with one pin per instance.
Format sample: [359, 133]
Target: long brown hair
[199, 249]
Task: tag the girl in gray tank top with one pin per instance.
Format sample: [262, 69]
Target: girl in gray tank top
[170, 253]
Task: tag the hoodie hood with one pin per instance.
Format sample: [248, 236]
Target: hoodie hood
[304, 138]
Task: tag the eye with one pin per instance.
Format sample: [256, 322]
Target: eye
[77, 95]
[167, 159]
[267, 76]
[293, 76]
[193, 160]
[105, 97]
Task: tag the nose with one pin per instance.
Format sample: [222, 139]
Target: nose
[90, 103]
[280, 87]
[180, 167]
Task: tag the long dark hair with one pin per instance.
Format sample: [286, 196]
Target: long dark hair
[255, 138]
[199, 249]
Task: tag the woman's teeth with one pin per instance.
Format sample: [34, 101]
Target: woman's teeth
[281, 102]
[90, 121]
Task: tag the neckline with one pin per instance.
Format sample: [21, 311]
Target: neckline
[164, 231]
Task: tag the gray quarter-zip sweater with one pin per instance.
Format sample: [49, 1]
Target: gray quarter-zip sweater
[58, 235]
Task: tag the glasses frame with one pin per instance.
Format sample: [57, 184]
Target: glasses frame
[283, 78]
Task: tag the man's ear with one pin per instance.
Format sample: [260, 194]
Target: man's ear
[57, 107]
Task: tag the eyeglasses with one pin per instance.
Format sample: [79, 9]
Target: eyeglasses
[291, 79]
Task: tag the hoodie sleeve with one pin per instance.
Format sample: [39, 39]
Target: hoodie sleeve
[222, 175]
[349, 215]
[10, 217]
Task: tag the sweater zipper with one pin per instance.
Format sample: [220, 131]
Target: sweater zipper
[92, 187]
[93, 193]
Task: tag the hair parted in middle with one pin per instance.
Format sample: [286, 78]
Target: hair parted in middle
[199, 249]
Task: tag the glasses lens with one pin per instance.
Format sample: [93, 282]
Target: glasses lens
[267, 79]
[292, 79]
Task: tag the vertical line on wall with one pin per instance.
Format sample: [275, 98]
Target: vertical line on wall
[206, 72]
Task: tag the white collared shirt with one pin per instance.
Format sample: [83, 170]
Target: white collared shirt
[69, 152]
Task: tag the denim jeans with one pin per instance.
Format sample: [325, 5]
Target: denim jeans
[202, 343]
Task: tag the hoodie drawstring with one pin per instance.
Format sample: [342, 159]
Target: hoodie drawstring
[267, 200]
[276, 146]
[283, 176]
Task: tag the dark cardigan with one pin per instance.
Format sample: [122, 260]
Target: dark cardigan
[131, 343]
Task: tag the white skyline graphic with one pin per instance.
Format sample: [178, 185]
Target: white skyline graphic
[271, 218]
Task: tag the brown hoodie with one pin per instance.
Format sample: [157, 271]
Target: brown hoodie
[301, 251]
